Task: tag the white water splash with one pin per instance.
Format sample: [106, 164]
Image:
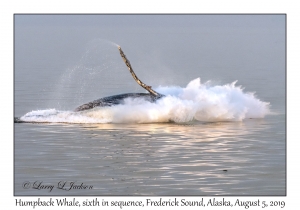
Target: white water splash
[196, 101]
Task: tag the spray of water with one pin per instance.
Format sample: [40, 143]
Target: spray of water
[196, 101]
[99, 60]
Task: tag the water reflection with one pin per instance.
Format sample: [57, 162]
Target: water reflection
[150, 159]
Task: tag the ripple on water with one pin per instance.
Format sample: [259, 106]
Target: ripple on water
[153, 159]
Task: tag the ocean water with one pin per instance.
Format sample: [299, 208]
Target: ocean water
[219, 130]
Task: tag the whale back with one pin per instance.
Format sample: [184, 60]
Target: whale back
[116, 99]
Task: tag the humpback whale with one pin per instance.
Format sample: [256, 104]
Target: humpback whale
[152, 96]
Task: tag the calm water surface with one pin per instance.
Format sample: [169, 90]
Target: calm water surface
[154, 159]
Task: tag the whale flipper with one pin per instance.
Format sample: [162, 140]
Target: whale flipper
[148, 88]
[152, 96]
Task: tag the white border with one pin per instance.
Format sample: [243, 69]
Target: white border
[8, 8]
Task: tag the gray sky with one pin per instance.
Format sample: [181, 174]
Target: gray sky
[153, 20]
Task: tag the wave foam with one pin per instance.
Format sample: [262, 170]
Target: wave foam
[196, 101]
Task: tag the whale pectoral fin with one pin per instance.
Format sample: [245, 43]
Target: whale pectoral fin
[143, 85]
[119, 99]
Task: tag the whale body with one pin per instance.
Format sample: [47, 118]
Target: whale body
[117, 99]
